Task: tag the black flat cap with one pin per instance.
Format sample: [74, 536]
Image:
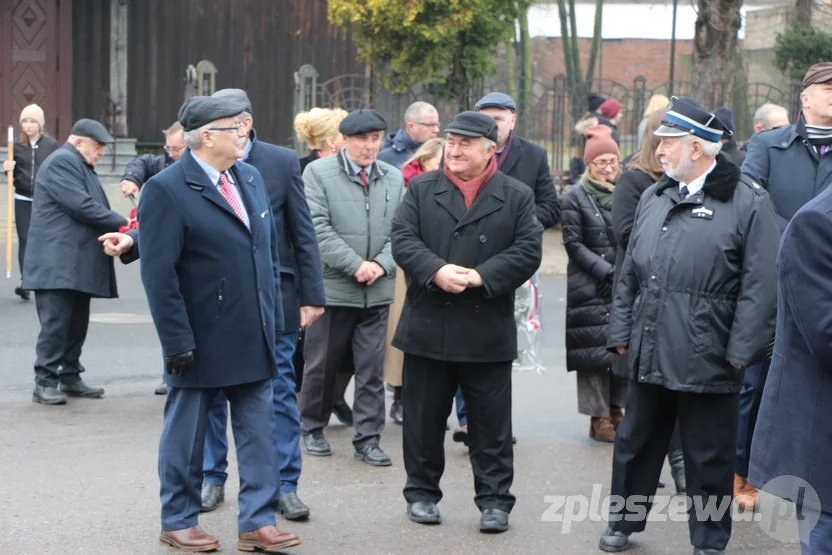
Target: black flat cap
[497, 100]
[238, 95]
[93, 130]
[726, 116]
[473, 124]
[362, 121]
[201, 110]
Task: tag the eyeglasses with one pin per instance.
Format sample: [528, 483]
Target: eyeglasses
[171, 150]
[435, 124]
[236, 127]
[601, 164]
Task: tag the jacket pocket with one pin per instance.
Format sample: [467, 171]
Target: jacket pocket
[220, 295]
[700, 316]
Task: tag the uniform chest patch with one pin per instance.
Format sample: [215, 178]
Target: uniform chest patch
[702, 213]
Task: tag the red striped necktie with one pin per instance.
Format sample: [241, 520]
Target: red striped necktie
[228, 194]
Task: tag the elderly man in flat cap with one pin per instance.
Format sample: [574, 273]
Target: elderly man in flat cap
[694, 305]
[794, 164]
[303, 298]
[211, 270]
[466, 237]
[64, 265]
[352, 197]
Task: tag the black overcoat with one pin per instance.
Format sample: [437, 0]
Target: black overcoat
[499, 237]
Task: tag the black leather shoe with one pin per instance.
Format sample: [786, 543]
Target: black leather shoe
[161, 389]
[423, 512]
[613, 541]
[493, 521]
[372, 454]
[291, 507]
[315, 444]
[48, 395]
[677, 469]
[22, 293]
[80, 389]
[700, 551]
[343, 412]
[212, 497]
[396, 412]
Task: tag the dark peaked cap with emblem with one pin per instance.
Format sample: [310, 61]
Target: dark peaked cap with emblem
[683, 118]
[202, 110]
[359, 122]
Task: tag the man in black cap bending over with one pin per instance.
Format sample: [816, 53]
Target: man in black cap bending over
[467, 237]
[694, 306]
[211, 271]
[64, 265]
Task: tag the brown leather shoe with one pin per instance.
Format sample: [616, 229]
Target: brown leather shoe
[268, 539]
[190, 540]
[601, 429]
[616, 415]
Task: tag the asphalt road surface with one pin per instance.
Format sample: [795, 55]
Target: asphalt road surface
[82, 478]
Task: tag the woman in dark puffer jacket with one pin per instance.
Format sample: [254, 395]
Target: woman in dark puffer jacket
[590, 245]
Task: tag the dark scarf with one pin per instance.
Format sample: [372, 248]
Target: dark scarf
[501, 158]
[470, 189]
[600, 192]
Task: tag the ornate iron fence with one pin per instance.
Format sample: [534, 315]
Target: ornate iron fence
[547, 110]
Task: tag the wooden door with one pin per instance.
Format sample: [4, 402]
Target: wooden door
[36, 61]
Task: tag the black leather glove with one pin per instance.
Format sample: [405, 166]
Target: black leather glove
[178, 365]
[770, 349]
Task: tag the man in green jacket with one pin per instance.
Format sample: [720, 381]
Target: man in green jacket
[352, 197]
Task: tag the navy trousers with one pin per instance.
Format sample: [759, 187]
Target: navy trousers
[751, 395]
[286, 417]
[815, 530]
[181, 450]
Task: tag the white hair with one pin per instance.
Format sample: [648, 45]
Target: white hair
[764, 113]
[709, 148]
[193, 138]
[417, 109]
[488, 143]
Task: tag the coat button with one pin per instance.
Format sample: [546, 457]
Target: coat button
[652, 277]
[664, 228]
[483, 239]
[255, 249]
[603, 256]
[646, 328]
[449, 304]
[457, 235]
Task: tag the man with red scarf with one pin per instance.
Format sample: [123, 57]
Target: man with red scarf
[467, 237]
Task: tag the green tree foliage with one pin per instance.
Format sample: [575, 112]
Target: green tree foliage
[452, 41]
[800, 47]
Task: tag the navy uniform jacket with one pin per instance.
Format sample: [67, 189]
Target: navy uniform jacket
[212, 285]
[793, 437]
[301, 282]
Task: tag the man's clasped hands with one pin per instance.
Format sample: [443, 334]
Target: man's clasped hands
[456, 279]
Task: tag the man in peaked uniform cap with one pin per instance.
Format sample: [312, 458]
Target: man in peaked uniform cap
[701, 263]
[211, 270]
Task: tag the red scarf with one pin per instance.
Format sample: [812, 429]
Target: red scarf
[470, 189]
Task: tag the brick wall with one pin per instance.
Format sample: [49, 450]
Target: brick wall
[623, 59]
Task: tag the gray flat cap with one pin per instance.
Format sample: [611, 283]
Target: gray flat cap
[497, 100]
[238, 95]
[201, 110]
[473, 124]
[92, 129]
[359, 122]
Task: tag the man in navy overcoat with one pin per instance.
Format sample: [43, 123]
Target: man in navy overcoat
[793, 437]
[303, 298]
[211, 270]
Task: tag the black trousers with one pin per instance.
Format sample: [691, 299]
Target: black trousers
[344, 374]
[22, 217]
[708, 432]
[64, 318]
[428, 389]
